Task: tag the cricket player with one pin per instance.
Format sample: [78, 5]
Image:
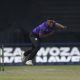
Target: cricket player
[45, 29]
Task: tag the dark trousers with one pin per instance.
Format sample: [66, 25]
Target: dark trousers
[35, 46]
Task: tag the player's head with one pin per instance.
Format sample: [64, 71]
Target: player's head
[50, 22]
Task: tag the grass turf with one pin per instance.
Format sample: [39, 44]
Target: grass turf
[69, 72]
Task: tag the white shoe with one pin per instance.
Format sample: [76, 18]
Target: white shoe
[29, 63]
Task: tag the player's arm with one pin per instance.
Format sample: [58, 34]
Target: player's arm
[60, 26]
[45, 35]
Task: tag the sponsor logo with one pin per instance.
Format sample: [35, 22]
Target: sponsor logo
[44, 55]
[11, 55]
[58, 54]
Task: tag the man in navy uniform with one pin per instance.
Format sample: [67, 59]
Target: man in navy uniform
[45, 29]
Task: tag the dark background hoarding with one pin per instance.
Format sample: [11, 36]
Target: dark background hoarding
[18, 17]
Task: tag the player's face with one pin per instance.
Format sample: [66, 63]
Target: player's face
[50, 23]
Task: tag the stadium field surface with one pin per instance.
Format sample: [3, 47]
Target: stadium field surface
[63, 72]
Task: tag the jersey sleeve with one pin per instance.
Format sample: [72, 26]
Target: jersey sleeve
[42, 30]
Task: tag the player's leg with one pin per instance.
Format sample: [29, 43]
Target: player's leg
[36, 45]
[34, 52]
[32, 55]
[25, 55]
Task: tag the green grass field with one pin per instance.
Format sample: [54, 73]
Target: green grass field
[69, 72]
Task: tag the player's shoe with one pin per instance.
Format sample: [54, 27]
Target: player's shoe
[29, 63]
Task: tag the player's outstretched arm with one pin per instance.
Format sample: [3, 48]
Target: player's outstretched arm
[60, 26]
